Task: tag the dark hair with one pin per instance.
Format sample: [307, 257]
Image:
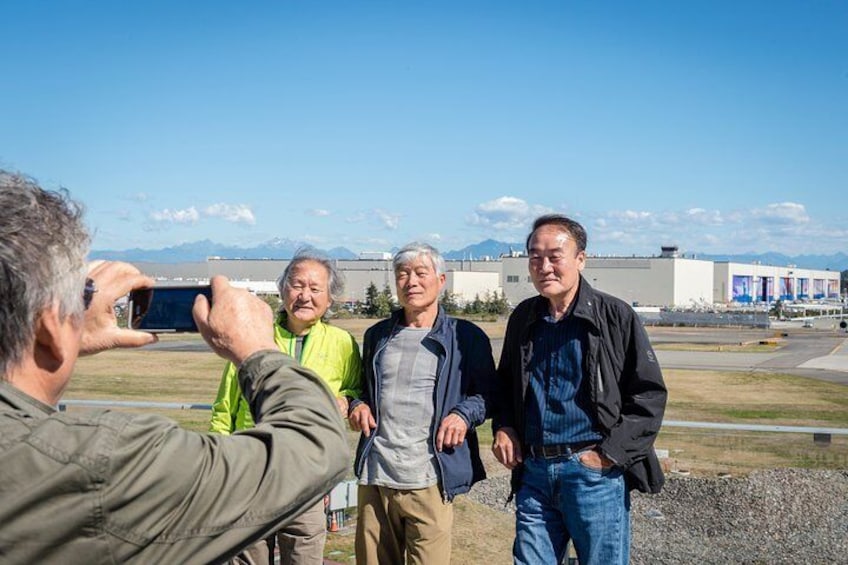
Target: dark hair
[574, 230]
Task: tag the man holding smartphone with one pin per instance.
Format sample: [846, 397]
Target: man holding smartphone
[96, 486]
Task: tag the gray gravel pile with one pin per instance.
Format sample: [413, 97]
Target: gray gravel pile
[774, 516]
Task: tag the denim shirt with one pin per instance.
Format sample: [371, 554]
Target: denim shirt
[558, 405]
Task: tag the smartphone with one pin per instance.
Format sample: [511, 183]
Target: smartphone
[165, 308]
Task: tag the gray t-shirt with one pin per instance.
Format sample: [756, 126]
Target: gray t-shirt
[401, 456]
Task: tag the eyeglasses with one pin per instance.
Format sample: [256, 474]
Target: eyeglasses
[88, 293]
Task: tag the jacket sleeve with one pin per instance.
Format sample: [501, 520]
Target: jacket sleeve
[478, 376]
[365, 385]
[175, 496]
[643, 399]
[352, 377]
[503, 416]
[225, 407]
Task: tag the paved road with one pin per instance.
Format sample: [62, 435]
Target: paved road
[807, 352]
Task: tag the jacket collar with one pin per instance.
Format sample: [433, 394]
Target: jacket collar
[18, 400]
[583, 308]
[439, 326]
[281, 323]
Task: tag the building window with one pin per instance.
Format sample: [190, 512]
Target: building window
[512, 278]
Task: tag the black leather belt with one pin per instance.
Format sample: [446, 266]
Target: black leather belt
[559, 449]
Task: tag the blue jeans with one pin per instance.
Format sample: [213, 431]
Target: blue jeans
[562, 499]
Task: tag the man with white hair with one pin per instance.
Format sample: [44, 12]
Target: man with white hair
[426, 387]
[108, 487]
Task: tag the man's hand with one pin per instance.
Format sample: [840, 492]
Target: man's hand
[361, 419]
[451, 432]
[237, 325]
[343, 404]
[507, 448]
[112, 280]
[595, 459]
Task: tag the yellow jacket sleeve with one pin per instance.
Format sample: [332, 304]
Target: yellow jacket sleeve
[226, 406]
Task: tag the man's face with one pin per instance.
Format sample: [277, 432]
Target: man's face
[306, 295]
[555, 263]
[418, 286]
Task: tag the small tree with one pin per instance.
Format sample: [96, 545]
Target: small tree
[372, 299]
[497, 304]
[384, 302]
[474, 307]
[449, 303]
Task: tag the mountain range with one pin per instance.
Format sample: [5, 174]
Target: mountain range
[281, 248]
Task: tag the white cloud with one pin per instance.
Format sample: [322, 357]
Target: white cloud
[318, 212]
[168, 216]
[783, 226]
[506, 213]
[632, 216]
[388, 219]
[703, 217]
[234, 213]
[782, 213]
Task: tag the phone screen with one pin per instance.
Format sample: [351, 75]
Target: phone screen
[165, 308]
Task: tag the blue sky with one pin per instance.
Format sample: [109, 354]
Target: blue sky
[719, 126]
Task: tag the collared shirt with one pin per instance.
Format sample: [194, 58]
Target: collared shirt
[558, 406]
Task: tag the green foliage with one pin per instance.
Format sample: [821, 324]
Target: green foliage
[378, 304]
[385, 302]
[493, 304]
[450, 304]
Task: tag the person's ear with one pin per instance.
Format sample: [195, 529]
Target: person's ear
[580, 260]
[54, 340]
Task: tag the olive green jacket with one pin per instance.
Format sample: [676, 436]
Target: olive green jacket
[329, 351]
[109, 487]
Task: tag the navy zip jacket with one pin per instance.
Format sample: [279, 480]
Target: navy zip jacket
[625, 382]
[464, 385]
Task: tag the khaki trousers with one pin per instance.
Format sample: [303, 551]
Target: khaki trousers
[301, 542]
[392, 522]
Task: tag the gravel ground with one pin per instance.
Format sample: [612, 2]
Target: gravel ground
[776, 516]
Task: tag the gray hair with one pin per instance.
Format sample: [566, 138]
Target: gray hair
[335, 280]
[412, 251]
[43, 245]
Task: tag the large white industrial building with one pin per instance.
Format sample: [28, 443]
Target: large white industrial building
[667, 280]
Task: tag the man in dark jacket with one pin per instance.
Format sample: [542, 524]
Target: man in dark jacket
[581, 401]
[426, 386]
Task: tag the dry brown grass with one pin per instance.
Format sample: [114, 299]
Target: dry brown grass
[761, 398]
